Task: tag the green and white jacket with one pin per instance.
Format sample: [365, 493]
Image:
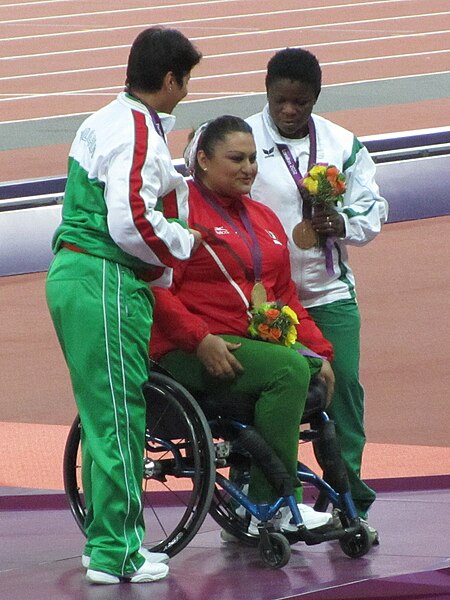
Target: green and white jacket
[364, 210]
[124, 200]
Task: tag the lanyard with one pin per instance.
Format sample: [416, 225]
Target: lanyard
[253, 246]
[157, 124]
[293, 170]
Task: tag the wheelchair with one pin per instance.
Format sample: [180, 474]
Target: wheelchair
[197, 459]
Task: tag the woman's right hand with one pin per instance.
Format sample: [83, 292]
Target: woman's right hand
[217, 357]
[197, 239]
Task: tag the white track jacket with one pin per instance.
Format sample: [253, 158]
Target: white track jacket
[364, 210]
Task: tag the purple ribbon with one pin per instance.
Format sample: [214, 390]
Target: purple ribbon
[156, 122]
[153, 114]
[329, 255]
[293, 170]
[254, 247]
[310, 353]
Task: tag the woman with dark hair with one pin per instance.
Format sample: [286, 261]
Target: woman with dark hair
[123, 225]
[290, 140]
[202, 321]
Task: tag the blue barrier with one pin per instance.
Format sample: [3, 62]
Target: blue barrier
[413, 173]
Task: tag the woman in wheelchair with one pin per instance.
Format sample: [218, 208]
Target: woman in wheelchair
[201, 324]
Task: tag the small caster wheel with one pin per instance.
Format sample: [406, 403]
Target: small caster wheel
[358, 544]
[276, 552]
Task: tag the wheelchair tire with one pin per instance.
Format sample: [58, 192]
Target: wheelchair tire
[278, 553]
[178, 467]
[358, 544]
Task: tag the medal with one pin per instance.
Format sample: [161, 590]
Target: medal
[258, 295]
[304, 235]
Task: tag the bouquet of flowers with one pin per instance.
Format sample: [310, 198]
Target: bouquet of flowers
[325, 185]
[274, 322]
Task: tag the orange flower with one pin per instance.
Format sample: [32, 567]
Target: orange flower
[272, 313]
[332, 172]
[275, 333]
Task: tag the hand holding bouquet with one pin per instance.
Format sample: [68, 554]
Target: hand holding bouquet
[325, 185]
[274, 322]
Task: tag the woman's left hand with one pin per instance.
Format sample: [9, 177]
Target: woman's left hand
[326, 372]
[329, 224]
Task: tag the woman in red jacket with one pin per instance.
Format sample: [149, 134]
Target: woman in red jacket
[201, 323]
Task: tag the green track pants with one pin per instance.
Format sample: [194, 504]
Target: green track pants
[102, 315]
[340, 323]
[275, 380]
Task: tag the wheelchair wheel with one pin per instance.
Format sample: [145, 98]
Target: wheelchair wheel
[358, 544]
[278, 551]
[178, 467]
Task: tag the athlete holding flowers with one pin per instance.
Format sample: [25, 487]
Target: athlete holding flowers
[297, 152]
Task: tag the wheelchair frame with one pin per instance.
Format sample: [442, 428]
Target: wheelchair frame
[179, 448]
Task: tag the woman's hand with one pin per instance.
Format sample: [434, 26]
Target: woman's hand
[216, 356]
[197, 239]
[330, 224]
[326, 373]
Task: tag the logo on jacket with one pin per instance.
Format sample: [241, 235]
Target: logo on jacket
[273, 237]
[268, 153]
[221, 230]
[89, 138]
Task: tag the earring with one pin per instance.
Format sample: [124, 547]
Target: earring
[205, 169]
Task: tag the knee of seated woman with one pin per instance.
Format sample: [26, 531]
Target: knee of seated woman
[295, 368]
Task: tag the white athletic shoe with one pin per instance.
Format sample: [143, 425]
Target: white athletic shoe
[312, 519]
[153, 557]
[147, 573]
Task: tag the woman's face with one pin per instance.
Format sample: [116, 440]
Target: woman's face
[232, 168]
[290, 105]
[174, 92]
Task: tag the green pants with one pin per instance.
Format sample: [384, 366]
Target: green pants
[340, 323]
[102, 315]
[276, 380]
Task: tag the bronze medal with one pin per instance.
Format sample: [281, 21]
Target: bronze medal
[258, 295]
[304, 235]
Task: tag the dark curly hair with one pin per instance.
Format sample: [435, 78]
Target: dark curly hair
[295, 64]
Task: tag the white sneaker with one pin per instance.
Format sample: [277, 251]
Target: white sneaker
[153, 557]
[312, 519]
[276, 522]
[147, 573]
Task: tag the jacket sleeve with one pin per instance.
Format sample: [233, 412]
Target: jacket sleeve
[138, 176]
[182, 328]
[308, 333]
[364, 209]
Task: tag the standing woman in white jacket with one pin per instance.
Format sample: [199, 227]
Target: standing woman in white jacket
[289, 140]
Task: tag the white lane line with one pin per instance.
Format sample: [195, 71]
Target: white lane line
[231, 74]
[236, 33]
[240, 53]
[221, 95]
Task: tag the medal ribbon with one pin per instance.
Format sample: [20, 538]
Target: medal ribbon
[153, 114]
[253, 246]
[297, 177]
[293, 169]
